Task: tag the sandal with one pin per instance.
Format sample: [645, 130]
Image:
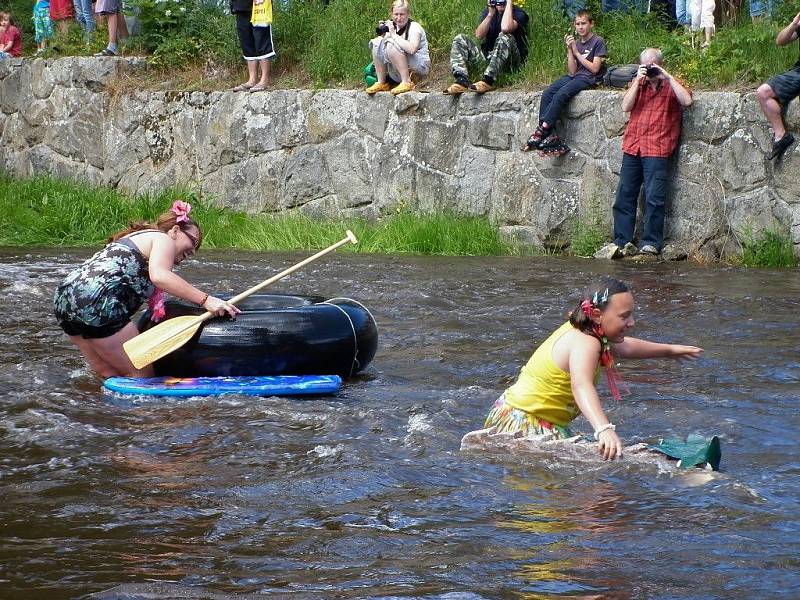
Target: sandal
[242, 87]
[259, 88]
[779, 147]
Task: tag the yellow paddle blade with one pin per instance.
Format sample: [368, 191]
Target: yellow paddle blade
[162, 339]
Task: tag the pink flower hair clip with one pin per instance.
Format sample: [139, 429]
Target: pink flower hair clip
[181, 210]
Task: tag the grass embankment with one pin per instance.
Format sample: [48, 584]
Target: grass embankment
[323, 45]
[49, 212]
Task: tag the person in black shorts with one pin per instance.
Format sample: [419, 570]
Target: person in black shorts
[257, 46]
[774, 96]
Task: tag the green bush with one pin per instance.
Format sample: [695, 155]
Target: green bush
[588, 233]
[767, 249]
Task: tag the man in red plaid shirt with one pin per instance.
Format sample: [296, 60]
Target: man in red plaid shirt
[656, 101]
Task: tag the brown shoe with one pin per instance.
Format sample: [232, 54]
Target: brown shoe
[456, 89]
[481, 87]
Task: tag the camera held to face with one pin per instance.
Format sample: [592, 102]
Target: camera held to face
[382, 28]
[652, 70]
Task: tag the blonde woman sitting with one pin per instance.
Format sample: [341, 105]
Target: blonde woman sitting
[400, 48]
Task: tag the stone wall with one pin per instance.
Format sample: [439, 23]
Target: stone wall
[341, 152]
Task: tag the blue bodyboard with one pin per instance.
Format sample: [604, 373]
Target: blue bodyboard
[278, 385]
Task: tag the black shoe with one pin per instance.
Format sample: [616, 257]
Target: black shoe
[779, 147]
[537, 138]
[461, 80]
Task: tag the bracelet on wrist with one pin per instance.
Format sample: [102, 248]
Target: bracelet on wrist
[603, 428]
[203, 301]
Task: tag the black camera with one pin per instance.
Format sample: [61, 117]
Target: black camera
[382, 28]
[492, 2]
[653, 71]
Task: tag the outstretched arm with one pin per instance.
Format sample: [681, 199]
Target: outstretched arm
[583, 360]
[633, 347]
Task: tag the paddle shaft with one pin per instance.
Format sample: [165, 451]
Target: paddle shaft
[350, 238]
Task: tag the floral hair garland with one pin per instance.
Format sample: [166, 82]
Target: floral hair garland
[181, 211]
[606, 358]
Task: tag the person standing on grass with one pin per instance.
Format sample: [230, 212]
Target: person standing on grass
[258, 49]
[112, 11]
[42, 25]
[585, 60]
[655, 100]
[10, 38]
[776, 94]
[85, 17]
[61, 12]
[503, 35]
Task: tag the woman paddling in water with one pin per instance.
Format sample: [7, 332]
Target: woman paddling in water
[559, 380]
[96, 301]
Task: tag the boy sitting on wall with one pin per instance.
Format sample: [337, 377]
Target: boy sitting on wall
[585, 64]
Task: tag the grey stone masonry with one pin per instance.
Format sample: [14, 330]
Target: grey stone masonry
[338, 152]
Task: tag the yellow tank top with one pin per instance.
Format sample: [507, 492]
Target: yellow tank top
[542, 388]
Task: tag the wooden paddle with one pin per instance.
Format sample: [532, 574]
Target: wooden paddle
[171, 334]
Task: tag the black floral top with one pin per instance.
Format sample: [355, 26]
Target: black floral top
[99, 297]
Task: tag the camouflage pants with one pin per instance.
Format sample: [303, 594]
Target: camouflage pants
[465, 52]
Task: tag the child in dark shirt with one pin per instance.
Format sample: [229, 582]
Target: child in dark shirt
[585, 58]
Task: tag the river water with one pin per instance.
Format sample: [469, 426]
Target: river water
[366, 494]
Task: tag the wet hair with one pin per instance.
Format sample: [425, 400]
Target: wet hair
[165, 222]
[598, 294]
[9, 16]
[585, 13]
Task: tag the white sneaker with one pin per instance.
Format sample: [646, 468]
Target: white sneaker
[648, 249]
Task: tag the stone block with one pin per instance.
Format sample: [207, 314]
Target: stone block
[372, 113]
[437, 106]
[252, 185]
[693, 160]
[470, 104]
[435, 192]
[585, 135]
[305, 177]
[475, 180]
[712, 117]
[351, 176]
[259, 134]
[436, 145]
[408, 103]
[491, 131]
[756, 211]
[395, 183]
[330, 114]
[609, 113]
[41, 80]
[10, 92]
[741, 162]
[694, 212]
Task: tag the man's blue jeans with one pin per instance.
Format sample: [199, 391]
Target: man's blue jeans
[84, 14]
[557, 95]
[636, 170]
